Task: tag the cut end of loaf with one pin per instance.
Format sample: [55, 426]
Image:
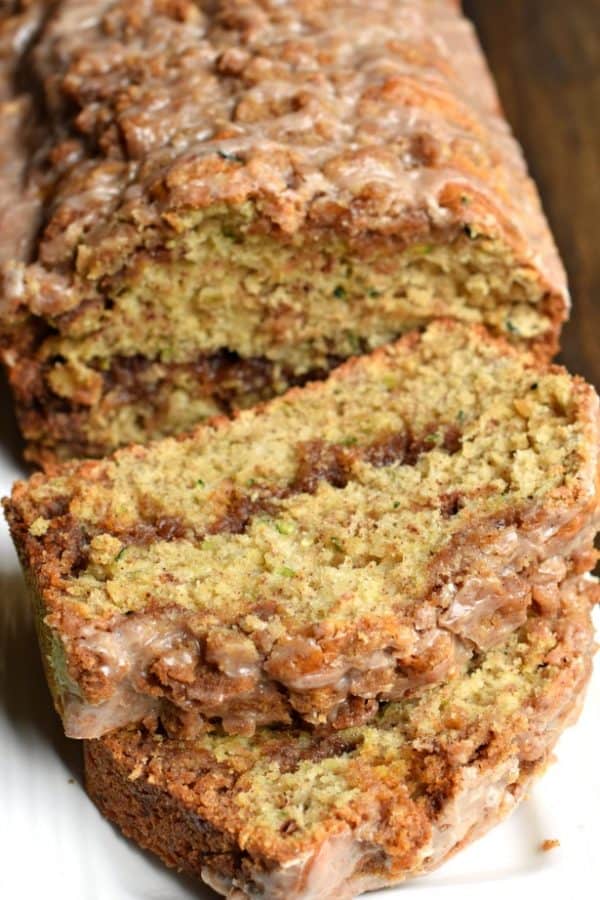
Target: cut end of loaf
[225, 316]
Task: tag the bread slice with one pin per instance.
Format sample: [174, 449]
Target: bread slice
[299, 814]
[347, 543]
[232, 198]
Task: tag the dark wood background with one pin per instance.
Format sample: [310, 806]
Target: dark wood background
[545, 55]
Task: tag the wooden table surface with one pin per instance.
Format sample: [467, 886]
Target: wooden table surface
[545, 55]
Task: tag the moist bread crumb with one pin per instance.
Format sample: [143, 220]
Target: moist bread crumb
[346, 544]
[549, 844]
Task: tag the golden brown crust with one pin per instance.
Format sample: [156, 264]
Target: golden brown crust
[251, 45]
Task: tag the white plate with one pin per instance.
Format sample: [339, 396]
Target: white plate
[55, 845]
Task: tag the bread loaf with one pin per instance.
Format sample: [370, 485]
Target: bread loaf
[233, 197]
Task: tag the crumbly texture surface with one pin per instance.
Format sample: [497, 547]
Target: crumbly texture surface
[304, 814]
[349, 541]
[273, 186]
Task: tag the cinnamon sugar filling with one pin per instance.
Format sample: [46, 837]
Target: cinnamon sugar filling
[224, 380]
[317, 461]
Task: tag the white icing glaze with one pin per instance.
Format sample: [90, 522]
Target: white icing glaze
[324, 875]
[516, 565]
[333, 872]
[479, 797]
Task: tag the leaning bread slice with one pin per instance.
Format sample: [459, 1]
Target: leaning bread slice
[344, 544]
[295, 814]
